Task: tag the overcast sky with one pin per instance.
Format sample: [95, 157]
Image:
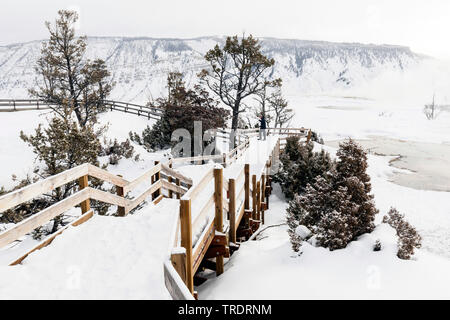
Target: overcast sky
[423, 25]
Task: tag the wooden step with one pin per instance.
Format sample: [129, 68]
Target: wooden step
[244, 233]
[220, 239]
[216, 251]
[208, 264]
[233, 247]
[198, 281]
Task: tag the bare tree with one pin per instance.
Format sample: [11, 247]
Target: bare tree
[431, 110]
[71, 82]
[279, 105]
[237, 71]
[263, 108]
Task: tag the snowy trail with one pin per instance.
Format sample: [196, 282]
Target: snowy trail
[105, 258]
[256, 155]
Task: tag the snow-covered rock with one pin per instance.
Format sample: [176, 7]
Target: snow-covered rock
[303, 232]
[139, 66]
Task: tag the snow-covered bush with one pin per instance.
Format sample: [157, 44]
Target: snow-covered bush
[23, 210]
[59, 147]
[408, 237]
[324, 211]
[116, 150]
[377, 246]
[315, 137]
[303, 232]
[351, 172]
[337, 206]
[300, 166]
[182, 108]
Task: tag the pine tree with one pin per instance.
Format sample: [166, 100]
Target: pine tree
[300, 166]
[408, 237]
[60, 147]
[237, 71]
[351, 173]
[337, 205]
[70, 82]
[181, 110]
[326, 211]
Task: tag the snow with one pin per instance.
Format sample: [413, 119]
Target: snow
[303, 232]
[139, 66]
[424, 209]
[271, 269]
[113, 258]
[105, 258]
[112, 255]
[16, 156]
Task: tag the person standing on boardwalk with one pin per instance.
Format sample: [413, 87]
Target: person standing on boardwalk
[262, 128]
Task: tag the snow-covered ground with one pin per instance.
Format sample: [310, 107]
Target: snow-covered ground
[105, 258]
[267, 265]
[268, 268]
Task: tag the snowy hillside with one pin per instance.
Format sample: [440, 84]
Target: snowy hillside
[140, 65]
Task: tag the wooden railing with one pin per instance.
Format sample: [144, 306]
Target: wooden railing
[12, 105]
[233, 209]
[203, 230]
[85, 193]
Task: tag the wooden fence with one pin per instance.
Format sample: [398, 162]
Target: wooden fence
[12, 105]
[214, 213]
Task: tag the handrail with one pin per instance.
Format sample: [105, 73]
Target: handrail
[176, 174]
[133, 184]
[31, 191]
[196, 188]
[106, 176]
[196, 158]
[42, 217]
[38, 104]
[139, 199]
[39, 188]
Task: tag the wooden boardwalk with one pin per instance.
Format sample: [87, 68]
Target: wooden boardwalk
[222, 216]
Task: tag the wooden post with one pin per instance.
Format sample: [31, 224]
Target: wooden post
[263, 196]
[170, 191]
[83, 182]
[120, 210]
[170, 179]
[254, 196]
[186, 240]
[224, 160]
[179, 263]
[156, 177]
[258, 200]
[177, 181]
[232, 207]
[247, 187]
[218, 221]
